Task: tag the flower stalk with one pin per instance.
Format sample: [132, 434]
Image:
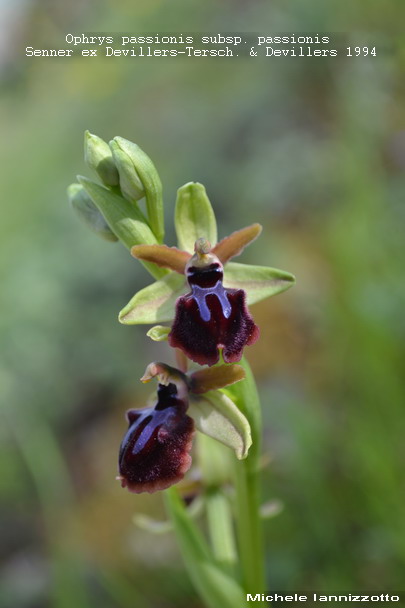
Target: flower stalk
[212, 398]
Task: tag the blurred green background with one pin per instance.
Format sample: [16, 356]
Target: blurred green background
[313, 149]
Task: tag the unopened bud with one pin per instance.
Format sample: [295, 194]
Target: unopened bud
[130, 183]
[138, 178]
[88, 212]
[97, 155]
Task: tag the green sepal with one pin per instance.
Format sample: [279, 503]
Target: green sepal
[216, 415]
[146, 171]
[88, 212]
[214, 585]
[158, 333]
[259, 282]
[194, 216]
[155, 303]
[97, 155]
[125, 220]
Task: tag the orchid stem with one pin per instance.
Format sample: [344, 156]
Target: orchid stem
[220, 528]
[247, 485]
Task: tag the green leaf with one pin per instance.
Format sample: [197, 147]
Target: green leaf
[155, 303]
[216, 588]
[144, 168]
[88, 212]
[125, 219]
[158, 333]
[216, 415]
[259, 282]
[194, 216]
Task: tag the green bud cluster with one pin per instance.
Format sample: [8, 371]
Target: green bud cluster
[111, 209]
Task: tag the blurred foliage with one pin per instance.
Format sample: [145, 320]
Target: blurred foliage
[312, 149]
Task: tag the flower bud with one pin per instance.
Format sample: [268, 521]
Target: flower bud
[138, 178]
[97, 155]
[129, 181]
[88, 212]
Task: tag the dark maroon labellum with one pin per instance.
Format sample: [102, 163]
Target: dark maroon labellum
[212, 317]
[154, 453]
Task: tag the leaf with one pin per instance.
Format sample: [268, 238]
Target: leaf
[162, 255]
[216, 415]
[217, 588]
[235, 243]
[211, 378]
[155, 303]
[259, 282]
[194, 216]
[158, 333]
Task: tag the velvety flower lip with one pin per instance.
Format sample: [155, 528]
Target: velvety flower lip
[155, 452]
[211, 317]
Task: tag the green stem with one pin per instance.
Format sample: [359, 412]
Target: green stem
[220, 528]
[216, 588]
[247, 485]
[214, 462]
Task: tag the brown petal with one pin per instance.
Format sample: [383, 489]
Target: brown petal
[216, 377]
[167, 257]
[235, 243]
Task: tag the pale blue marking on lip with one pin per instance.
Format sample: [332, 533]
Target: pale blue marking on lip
[200, 294]
[159, 417]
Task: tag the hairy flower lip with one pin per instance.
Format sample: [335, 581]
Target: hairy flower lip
[155, 451]
[211, 317]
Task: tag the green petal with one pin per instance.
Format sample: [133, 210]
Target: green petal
[158, 333]
[194, 216]
[216, 415]
[259, 282]
[155, 303]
